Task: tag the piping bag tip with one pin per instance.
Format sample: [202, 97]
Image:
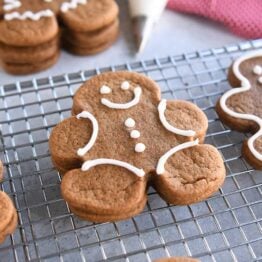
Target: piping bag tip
[142, 27]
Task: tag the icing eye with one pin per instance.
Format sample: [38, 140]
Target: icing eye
[105, 90]
[125, 85]
[257, 70]
[260, 80]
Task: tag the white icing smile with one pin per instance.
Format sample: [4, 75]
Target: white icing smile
[133, 102]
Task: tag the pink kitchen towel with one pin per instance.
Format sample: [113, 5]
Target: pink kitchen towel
[243, 17]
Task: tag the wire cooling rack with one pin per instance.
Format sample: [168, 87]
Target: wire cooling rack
[226, 227]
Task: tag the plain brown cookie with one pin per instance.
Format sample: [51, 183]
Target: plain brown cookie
[107, 191]
[177, 259]
[90, 50]
[24, 55]
[27, 68]
[8, 216]
[92, 38]
[245, 102]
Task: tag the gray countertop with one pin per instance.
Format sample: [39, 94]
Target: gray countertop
[175, 33]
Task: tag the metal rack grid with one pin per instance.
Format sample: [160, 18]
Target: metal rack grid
[226, 227]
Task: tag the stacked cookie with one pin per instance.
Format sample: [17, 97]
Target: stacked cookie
[91, 28]
[29, 40]
[29, 31]
[8, 216]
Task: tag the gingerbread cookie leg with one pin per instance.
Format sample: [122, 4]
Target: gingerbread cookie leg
[104, 192]
[189, 175]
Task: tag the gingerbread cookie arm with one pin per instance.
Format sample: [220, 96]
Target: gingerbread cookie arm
[245, 86]
[191, 175]
[69, 137]
[183, 118]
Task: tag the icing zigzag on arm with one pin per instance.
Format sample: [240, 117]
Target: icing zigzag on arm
[11, 4]
[29, 15]
[72, 5]
[245, 86]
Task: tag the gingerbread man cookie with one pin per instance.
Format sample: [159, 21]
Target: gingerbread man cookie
[30, 33]
[121, 138]
[8, 216]
[241, 107]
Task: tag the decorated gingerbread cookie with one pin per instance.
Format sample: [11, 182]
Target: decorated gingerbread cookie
[241, 107]
[8, 216]
[30, 33]
[121, 138]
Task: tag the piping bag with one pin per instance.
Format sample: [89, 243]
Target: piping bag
[144, 15]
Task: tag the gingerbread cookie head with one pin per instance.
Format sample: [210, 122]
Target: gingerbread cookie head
[241, 108]
[122, 128]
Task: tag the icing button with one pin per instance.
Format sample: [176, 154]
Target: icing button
[140, 147]
[135, 134]
[260, 80]
[130, 122]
